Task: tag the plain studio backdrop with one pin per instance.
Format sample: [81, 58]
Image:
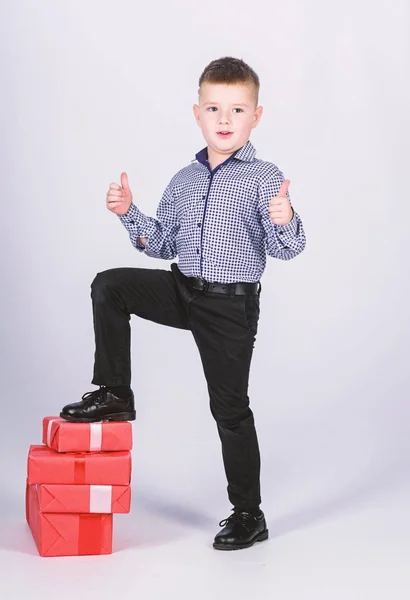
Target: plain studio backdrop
[91, 89]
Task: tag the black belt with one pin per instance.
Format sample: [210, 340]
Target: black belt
[237, 289]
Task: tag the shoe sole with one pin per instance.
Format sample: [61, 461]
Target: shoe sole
[260, 538]
[124, 416]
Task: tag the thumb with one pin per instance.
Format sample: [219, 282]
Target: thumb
[284, 187]
[124, 182]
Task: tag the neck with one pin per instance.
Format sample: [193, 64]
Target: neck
[215, 158]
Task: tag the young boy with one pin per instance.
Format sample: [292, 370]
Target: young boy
[221, 215]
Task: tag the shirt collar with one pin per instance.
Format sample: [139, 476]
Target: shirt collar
[246, 153]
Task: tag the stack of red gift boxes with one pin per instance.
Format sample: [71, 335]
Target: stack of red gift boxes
[76, 480]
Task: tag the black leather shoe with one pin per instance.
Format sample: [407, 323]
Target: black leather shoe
[241, 530]
[100, 405]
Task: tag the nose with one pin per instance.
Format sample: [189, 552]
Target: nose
[223, 117]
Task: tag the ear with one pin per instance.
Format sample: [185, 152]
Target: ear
[196, 113]
[257, 116]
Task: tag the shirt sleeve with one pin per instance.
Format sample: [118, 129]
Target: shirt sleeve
[160, 231]
[281, 241]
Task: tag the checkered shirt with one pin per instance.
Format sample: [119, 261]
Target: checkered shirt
[217, 222]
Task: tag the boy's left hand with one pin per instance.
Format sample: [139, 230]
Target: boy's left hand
[280, 210]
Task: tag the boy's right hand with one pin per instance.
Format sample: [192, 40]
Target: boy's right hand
[119, 197]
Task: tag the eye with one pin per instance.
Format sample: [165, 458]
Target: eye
[210, 107]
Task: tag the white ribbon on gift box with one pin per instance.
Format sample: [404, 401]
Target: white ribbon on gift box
[100, 498]
[50, 424]
[95, 435]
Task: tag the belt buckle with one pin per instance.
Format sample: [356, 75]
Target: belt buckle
[206, 286]
[203, 284]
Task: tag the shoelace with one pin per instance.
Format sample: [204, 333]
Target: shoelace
[94, 396]
[243, 517]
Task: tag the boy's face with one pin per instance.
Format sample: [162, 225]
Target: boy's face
[226, 107]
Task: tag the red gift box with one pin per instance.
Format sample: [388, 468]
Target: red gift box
[67, 534]
[65, 436]
[77, 498]
[100, 468]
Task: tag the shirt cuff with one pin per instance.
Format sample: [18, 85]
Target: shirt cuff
[134, 221]
[290, 229]
[138, 225]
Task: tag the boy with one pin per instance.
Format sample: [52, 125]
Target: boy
[221, 215]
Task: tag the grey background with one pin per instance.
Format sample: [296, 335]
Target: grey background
[91, 89]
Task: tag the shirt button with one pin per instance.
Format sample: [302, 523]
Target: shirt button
[199, 224]
[197, 250]
[132, 222]
[203, 197]
[281, 232]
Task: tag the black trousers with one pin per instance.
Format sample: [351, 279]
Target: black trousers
[224, 328]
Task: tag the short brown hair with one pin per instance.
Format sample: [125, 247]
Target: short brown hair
[230, 70]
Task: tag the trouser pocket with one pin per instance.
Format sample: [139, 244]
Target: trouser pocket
[250, 311]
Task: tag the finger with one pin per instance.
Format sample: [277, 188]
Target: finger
[275, 209]
[115, 186]
[113, 201]
[277, 201]
[284, 187]
[124, 181]
[279, 220]
[115, 194]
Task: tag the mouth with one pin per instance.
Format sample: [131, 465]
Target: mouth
[224, 134]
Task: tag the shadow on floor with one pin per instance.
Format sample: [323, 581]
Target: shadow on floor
[388, 476]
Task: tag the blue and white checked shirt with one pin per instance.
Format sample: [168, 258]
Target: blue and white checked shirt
[217, 222]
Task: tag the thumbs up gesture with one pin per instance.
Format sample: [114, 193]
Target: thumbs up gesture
[280, 210]
[119, 197]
